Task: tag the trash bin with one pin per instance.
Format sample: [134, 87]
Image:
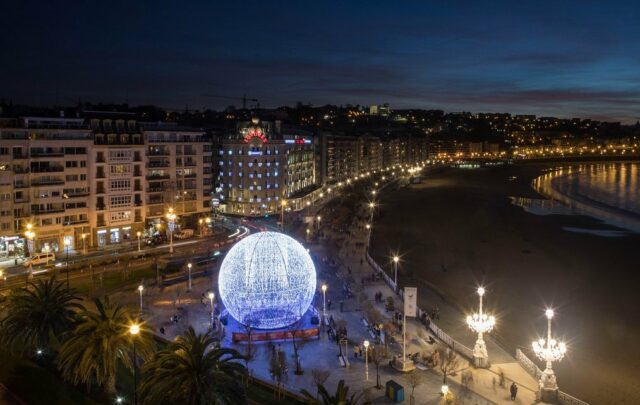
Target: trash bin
[394, 391]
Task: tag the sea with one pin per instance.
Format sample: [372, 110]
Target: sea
[609, 192]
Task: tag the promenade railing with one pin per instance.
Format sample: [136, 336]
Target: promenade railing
[440, 334]
[535, 372]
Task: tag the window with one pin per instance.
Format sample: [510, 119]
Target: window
[120, 216]
[120, 170]
[120, 201]
[71, 163]
[120, 155]
[120, 185]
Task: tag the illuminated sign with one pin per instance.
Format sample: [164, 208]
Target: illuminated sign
[255, 132]
[297, 141]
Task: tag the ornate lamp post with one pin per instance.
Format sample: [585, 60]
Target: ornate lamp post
[139, 234]
[549, 350]
[171, 219]
[481, 323]
[366, 360]
[31, 235]
[211, 297]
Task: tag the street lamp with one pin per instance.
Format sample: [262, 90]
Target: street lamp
[282, 205]
[319, 218]
[366, 360]
[549, 350]
[189, 266]
[134, 330]
[140, 290]
[396, 259]
[139, 234]
[481, 323]
[67, 242]
[171, 218]
[30, 234]
[308, 232]
[211, 297]
[324, 302]
[84, 243]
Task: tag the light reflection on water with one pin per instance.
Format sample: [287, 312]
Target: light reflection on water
[608, 191]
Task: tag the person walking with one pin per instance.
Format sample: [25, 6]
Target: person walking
[514, 391]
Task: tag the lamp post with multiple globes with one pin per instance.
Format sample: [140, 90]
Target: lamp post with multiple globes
[481, 323]
[549, 350]
[171, 219]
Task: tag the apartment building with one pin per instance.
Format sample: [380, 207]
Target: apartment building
[116, 214]
[339, 158]
[179, 175]
[44, 172]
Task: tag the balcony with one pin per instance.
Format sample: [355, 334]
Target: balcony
[20, 170]
[159, 153]
[100, 190]
[20, 184]
[46, 182]
[137, 188]
[101, 223]
[158, 164]
[47, 154]
[100, 159]
[47, 211]
[158, 176]
[100, 207]
[100, 175]
[137, 173]
[17, 156]
[77, 195]
[49, 169]
[188, 176]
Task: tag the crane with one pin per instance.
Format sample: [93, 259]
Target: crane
[243, 98]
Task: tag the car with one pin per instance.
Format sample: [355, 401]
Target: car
[157, 239]
[40, 258]
[184, 234]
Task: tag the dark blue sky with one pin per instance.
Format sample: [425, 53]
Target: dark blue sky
[562, 58]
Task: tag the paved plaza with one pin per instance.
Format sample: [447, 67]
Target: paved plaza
[340, 260]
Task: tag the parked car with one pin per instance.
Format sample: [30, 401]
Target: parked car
[157, 239]
[40, 258]
[184, 234]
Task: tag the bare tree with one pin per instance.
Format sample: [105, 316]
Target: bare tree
[449, 361]
[377, 356]
[414, 380]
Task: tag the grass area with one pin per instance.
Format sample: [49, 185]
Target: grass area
[113, 280]
[35, 384]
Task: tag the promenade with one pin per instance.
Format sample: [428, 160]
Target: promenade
[343, 253]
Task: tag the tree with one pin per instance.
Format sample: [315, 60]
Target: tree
[192, 371]
[320, 377]
[99, 342]
[38, 316]
[340, 398]
[414, 380]
[377, 356]
[449, 361]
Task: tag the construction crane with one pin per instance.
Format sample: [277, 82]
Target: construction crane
[243, 98]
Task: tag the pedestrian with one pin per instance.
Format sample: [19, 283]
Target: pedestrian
[162, 330]
[514, 391]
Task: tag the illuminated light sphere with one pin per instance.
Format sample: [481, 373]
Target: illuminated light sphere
[267, 280]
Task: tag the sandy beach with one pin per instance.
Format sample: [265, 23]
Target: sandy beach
[459, 229]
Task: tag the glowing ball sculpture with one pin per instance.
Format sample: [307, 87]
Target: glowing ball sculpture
[267, 281]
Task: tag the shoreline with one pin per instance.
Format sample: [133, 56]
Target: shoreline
[459, 228]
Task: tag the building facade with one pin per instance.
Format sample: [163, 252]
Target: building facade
[259, 167]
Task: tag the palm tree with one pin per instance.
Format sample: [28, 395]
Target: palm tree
[190, 371]
[38, 316]
[340, 398]
[99, 342]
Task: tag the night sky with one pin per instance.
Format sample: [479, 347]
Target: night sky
[560, 58]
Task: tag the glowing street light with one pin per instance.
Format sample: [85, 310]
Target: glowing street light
[324, 301]
[66, 243]
[31, 235]
[139, 234]
[319, 218]
[134, 330]
[549, 350]
[396, 259]
[282, 205]
[140, 290]
[211, 297]
[171, 219]
[366, 360]
[84, 243]
[189, 265]
[481, 323]
[308, 232]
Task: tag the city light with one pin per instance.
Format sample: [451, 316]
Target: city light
[267, 280]
[481, 323]
[549, 351]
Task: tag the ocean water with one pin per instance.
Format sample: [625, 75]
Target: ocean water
[607, 191]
